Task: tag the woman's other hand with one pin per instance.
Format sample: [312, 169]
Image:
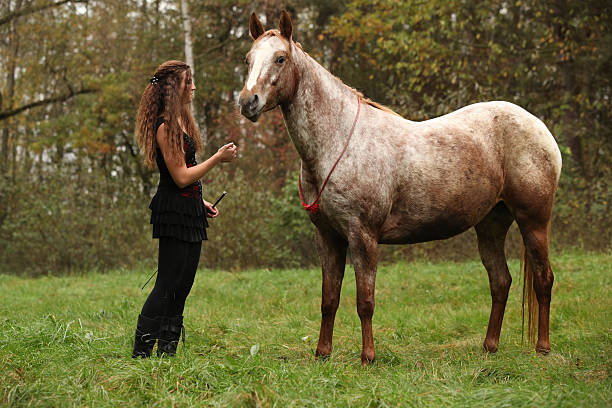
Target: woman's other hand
[210, 211]
[228, 152]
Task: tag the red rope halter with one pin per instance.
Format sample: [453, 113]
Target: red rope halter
[314, 207]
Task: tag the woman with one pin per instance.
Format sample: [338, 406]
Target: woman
[169, 139]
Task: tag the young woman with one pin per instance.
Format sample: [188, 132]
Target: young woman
[169, 139]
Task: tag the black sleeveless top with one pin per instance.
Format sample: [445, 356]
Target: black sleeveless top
[178, 212]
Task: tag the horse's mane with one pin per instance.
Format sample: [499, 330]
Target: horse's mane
[372, 103]
[365, 100]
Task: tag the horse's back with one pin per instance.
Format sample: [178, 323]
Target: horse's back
[456, 167]
[521, 141]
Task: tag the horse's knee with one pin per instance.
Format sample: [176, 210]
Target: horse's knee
[545, 279]
[500, 288]
[543, 283]
[329, 306]
[365, 308]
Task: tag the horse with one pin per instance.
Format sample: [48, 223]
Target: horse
[373, 177]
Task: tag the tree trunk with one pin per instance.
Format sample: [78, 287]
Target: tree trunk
[189, 52]
[10, 92]
[187, 33]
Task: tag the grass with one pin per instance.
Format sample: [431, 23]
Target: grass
[66, 341]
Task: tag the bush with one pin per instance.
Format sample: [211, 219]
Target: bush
[99, 222]
[257, 227]
[57, 226]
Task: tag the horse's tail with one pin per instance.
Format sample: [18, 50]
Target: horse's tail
[529, 296]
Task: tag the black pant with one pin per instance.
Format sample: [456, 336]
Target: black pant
[176, 267]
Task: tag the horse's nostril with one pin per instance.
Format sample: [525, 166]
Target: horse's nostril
[249, 103]
[253, 102]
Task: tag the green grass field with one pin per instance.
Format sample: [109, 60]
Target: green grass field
[66, 341]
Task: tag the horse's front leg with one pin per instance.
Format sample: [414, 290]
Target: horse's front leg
[364, 253]
[332, 251]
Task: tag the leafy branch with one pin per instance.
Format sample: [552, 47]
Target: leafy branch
[60, 98]
[34, 9]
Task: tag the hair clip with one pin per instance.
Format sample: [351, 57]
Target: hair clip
[154, 79]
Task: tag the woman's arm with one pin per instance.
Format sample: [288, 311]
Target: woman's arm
[183, 175]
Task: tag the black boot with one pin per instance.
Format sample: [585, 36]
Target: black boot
[170, 334]
[147, 331]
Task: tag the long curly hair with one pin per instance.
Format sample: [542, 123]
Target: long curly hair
[167, 96]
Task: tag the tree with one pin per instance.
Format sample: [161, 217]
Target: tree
[428, 58]
[72, 73]
[33, 8]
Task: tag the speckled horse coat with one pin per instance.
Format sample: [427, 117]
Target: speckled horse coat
[484, 166]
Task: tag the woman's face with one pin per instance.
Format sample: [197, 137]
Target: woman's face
[188, 87]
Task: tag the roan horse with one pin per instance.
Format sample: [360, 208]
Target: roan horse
[379, 178]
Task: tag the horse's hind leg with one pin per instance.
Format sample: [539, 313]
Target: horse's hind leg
[534, 227]
[332, 251]
[491, 232]
[532, 168]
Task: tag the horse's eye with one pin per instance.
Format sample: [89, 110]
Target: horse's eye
[246, 61]
[280, 60]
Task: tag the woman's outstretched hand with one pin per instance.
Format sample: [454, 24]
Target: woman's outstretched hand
[228, 152]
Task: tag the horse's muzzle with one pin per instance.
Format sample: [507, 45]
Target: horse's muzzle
[250, 107]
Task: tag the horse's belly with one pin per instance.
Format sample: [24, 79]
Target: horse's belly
[398, 231]
[417, 221]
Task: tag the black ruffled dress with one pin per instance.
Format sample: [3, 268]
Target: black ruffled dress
[178, 212]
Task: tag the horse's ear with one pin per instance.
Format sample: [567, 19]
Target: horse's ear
[255, 27]
[286, 27]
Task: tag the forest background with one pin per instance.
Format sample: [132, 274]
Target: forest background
[74, 192]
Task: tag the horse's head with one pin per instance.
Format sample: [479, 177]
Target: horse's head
[273, 76]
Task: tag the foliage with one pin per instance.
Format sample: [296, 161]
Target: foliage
[428, 58]
[251, 338]
[277, 234]
[89, 223]
[422, 58]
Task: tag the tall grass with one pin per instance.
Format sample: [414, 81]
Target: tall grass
[65, 341]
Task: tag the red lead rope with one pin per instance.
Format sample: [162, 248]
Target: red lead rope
[314, 207]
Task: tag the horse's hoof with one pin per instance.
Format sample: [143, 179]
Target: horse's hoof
[367, 360]
[543, 347]
[489, 347]
[320, 356]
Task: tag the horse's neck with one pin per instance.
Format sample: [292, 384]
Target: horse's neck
[321, 114]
